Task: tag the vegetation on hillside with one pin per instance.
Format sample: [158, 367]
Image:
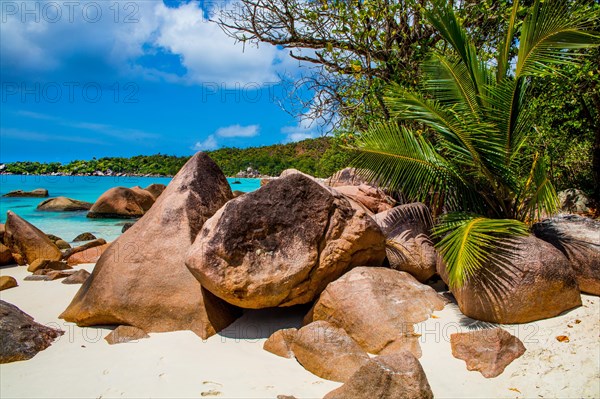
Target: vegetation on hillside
[319, 157]
[473, 154]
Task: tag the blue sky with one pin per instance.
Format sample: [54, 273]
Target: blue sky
[87, 79]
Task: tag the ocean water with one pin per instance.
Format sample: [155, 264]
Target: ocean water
[68, 225]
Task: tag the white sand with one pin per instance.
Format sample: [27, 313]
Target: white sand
[231, 365]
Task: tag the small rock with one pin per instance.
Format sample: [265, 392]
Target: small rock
[328, 352]
[47, 264]
[7, 282]
[94, 243]
[84, 237]
[126, 227]
[124, 334]
[280, 342]
[6, 257]
[38, 192]
[62, 244]
[90, 255]
[78, 277]
[487, 351]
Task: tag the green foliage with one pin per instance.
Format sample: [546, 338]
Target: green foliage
[318, 157]
[473, 160]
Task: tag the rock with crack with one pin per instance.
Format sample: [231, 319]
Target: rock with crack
[378, 308]
[282, 244]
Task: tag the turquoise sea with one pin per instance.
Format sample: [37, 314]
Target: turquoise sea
[68, 225]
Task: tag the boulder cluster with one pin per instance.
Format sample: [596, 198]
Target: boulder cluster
[200, 255]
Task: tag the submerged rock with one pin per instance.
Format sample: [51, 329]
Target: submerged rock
[22, 338]
[37, 193]
[282, 244]
[141, 279]
[63, 204]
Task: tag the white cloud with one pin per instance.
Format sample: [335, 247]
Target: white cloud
[35, 43]
[305, 129]
[213, 141]
[209, 144]
[238, 131]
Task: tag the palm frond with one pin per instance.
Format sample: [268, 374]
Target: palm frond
[550, 29]
[402, 160]
[470, 242]
[503, 56]
[538, 196]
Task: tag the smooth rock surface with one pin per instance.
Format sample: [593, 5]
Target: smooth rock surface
[578, 238]
[374, 199]
[21, 337]
[394, 376]
[141, 278]
[84, 237]
[538, 282]
[378, 308]
[282, 244]
[26, 242]
[40, 264]
[487, 351]
[280, 342]
[7, 282]
[327, 351]
[156, 189]
[90, 255]
[121, 202]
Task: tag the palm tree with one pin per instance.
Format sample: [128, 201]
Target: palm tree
[471, 156]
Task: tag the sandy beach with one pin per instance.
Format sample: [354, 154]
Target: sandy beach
[232, 364]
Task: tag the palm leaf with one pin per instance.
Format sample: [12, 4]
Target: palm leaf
[468, 243]
[549, 30]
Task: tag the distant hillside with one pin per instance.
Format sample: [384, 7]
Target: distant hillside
[319, 157]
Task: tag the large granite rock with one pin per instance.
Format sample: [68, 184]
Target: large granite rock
[487, 351]
[408, 246]
[378, 308]
[156, 189]
[21, 337]
[63, 204]
[578, 238]
[282, 244]
[394, 376]
[37, 193]
[141, 279]
[26, 242]
[535, 282]
[372, 198]
[327, 351]
[122, 202]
